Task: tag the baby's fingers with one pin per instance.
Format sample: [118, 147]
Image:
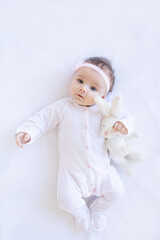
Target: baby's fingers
[123, 130]
[26, 138]
[119, 127]
[19, 137]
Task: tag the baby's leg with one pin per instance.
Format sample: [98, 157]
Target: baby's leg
[70, 200]
[113, 192]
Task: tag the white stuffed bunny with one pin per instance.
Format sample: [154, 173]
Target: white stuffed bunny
[120, 151]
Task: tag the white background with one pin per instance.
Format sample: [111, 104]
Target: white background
[40, 42]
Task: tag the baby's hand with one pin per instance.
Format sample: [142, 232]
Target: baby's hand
[22, 138]
[119, 127]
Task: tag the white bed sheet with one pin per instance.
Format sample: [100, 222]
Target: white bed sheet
[40, 43]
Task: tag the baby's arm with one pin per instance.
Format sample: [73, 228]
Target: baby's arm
[41, 122]
[125, 124]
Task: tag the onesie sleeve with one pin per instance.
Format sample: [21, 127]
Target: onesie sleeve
[44, 120]
[127, 120]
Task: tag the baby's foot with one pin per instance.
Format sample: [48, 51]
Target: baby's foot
[98, 221]
[84, 224]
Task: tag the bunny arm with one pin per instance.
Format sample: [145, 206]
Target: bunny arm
[117, 146]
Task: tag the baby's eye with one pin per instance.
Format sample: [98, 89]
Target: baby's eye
[93, 89]
[80, 81]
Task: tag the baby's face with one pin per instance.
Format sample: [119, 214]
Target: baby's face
[85, 85]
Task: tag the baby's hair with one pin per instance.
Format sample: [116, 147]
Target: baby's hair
[105, 65]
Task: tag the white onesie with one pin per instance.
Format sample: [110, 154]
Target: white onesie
[84, 165]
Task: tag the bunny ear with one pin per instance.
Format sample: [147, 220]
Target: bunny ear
[102, 105]
[116, 106]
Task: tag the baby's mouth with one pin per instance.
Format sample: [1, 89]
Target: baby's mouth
[79, 95]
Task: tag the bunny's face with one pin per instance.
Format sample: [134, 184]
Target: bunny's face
[110, 115]
[106, 127]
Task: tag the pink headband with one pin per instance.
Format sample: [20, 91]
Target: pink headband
[101, 72]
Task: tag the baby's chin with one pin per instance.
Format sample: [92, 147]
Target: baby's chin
[83, 102]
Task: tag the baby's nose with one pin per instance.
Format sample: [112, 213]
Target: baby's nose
[83, 90]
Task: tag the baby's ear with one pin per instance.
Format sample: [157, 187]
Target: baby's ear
[116, 106]
[102, 105]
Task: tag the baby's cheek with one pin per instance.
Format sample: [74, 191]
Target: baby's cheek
[93, 95]
[90, 97]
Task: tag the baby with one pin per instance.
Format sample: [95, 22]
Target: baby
[84, 165]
